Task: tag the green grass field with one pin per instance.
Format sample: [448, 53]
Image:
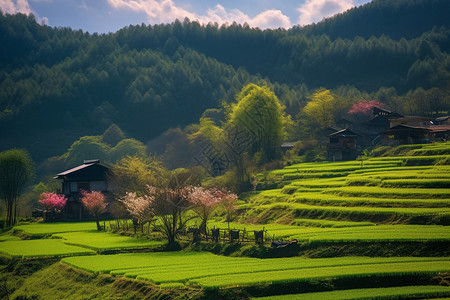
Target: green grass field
[41, 248]
[403, 292]
[41, 229]
[212, 271]
[310, 274]
[103, 241]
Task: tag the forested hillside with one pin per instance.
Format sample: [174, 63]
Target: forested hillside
[57, 84]
[396, 19]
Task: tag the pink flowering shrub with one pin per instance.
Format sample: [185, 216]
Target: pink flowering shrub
[52, 202]
[95, 203]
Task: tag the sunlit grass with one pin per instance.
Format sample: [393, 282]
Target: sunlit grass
[41, 248]
[102, 241]
[40, 229]
[402, 292]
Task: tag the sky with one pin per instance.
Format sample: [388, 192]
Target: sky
[105, 16]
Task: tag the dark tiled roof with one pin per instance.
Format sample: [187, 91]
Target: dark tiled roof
[344, 132]
[75, 169]
[82, 170]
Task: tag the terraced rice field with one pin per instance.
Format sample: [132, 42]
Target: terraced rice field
[352, 233]
[103, 241]
[70, 243]
[41, 248]
[211, 271]
[403, 292]
[42, 229]
[360, 192]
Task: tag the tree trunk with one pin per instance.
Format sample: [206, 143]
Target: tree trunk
[8, 214]
[202, 227]
[98, 223]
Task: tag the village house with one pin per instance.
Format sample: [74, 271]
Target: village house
[386, 128]
[416, 130]
[380, 121]
[342, 145]
[442, 121]
[90, 176]
[406, 134]
[415, 121]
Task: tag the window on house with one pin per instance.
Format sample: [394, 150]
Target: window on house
[334, 140]
[83, 186]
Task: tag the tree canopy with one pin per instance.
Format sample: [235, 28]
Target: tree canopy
[16, 172]
[259, 115]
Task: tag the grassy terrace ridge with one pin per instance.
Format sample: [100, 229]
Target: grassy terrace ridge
[387, 192]
[103, 241]
[213, 271]
[381, 233]
[311, 274]
[332, 199]
[406, 211]
[120, 264]
[41, 248]
[366, 233]
[329, 223]
[401, 292]
[42, 229]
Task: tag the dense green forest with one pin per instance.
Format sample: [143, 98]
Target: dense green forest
[57, 84]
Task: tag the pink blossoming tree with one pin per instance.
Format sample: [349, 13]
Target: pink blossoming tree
[365, 107]
[228, 202]
[170, 205]
[205, 201]
[53, 204]
[140, 208]
[95, 203]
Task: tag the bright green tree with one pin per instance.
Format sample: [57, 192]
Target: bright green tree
[320, 108]
[16, 172]
[259, 114]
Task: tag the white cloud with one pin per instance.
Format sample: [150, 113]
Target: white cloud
[271, 19]
[21, 6]
[313, 11]
[220, 15]
[165, 11]
[158, 11]
[13, 7]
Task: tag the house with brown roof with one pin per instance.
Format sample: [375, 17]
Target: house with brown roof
[415, 121]
[90, 176]
[342, 145]
[406, 134]
[416, 130]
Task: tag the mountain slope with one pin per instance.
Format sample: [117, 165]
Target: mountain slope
[63, 84]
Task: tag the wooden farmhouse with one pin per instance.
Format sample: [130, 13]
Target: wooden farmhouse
[416, 130]
[405, 134]
[342, 145]
[90, 176]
